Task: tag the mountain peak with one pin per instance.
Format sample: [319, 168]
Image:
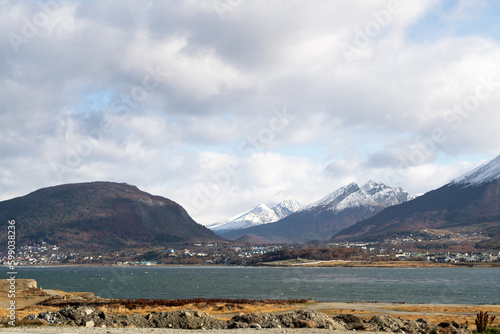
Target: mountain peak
[487, 172]
[286, 207]
[259, 215]
[261, 207]
[372, 187]
[371, 193]
[324, 218]
[335, 197]
[288, 203]
[373, 183]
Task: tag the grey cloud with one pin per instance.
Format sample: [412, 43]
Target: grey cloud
[223, 84]
[383, 159]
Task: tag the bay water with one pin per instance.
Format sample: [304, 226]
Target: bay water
[409, 285]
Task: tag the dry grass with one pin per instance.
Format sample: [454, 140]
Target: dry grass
[346, 311]
[22, 322]
[219, 309]
[492, 309]
[392, 264]
[436, 319]
[431, 318]
[437, 314]
[222, 310]
[33, 309]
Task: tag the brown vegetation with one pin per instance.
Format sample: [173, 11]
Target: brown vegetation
[311, 253]
[438, 313]
[483, 321]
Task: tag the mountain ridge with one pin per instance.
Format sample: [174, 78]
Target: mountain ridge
[352, 195]
[322, 219]
[470, 202]
[486, 172]
[259, 215]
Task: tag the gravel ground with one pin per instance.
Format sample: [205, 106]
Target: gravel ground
[172, 331]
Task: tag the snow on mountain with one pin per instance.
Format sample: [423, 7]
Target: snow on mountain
[372, 194]
[334, 198]
[259, 215]
[412, 197]
[286, 207]
[487, 172]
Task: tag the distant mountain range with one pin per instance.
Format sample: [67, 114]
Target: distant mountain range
[324, 218]
[111, 216]
[100, 216]
[468, 204]
[259, 215]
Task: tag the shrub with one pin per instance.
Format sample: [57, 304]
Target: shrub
[483, 320]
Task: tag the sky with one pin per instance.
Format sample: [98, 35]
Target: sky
[220, 105]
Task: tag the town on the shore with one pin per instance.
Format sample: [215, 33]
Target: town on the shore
[228, 254]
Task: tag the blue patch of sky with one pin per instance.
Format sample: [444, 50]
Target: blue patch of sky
[314, 152]
[440, 22]
[95, 102]
[447, 160]
[226, 148]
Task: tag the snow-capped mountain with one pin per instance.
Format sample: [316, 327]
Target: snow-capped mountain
[259, 215]
[413, 196]
[370, 194]
[286, 208]
[324, 218]
[487, 172]
[469, 204]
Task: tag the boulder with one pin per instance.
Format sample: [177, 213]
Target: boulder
[351, 322]
[297, 319]
[187, 319]
[398, 325]
[453, 327]
[184, 320]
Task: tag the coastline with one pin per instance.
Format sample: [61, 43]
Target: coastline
[173, 331]
[300, 264]
[33, 300]
[379, 264]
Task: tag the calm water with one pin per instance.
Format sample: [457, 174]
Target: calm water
[420, 285]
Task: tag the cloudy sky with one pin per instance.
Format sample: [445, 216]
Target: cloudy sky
[220, 105]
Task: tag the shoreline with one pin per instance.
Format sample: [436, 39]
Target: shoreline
[173, 331]
[297, 264]
[32, 300]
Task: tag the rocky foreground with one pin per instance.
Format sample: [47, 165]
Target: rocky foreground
[185, 319]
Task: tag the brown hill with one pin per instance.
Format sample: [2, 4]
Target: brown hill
[99, 216]
[249, 239]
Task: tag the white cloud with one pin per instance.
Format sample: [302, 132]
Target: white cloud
[196, 71]
[211, 87]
